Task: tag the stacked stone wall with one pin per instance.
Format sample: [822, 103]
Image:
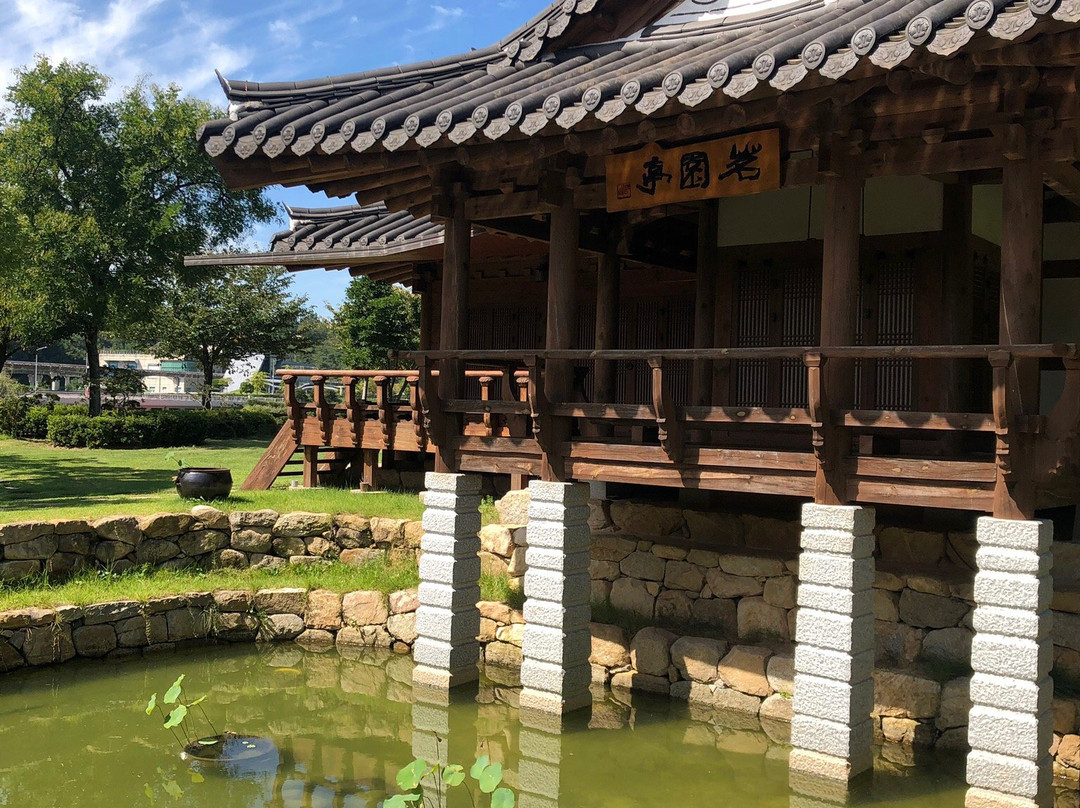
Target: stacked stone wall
[127, 628]
[205, 538]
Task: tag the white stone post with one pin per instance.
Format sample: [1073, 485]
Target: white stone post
[446, 651]
[555, 672]
[831, 732]
[1010, 728]
[539, 779]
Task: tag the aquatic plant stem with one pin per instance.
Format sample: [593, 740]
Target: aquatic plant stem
[208, 721]
[178, 741]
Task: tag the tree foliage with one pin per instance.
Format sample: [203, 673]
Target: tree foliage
[230, 314]
[376, 319]
[24, 316]
[115, 193]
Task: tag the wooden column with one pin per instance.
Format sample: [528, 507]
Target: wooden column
[840, 281]
[957, 278]
[453, 322]
[839, 304]
[423, 287]
[562, 321]
[722, 331]
[1021, 274]
[705, 302]
[607, 324]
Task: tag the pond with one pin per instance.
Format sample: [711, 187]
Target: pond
[340, 729]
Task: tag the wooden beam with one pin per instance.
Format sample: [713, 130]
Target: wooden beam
[1064, 178]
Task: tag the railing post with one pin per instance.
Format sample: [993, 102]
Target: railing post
[671, 432]
[417, 412]
[485, 395]
[431, 408]
[293, 407]
[384, 403]
[352, 410]
[830, 487]
[323, 411]
[1014, 496]
[539, 412]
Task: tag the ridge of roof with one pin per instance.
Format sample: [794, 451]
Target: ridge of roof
[524, 44]
[253, 92]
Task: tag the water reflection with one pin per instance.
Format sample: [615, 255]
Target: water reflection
[343, 726]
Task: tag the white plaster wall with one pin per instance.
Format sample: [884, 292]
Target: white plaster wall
[901, 205]
[890, 205]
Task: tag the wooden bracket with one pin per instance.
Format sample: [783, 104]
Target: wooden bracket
[671, 431]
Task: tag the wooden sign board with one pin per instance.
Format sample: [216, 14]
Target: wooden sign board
[731, 166]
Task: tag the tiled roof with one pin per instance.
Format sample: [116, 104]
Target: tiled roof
[518, 86]
[367, 240]
[354, 228]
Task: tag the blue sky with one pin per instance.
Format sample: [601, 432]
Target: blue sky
[273, 40]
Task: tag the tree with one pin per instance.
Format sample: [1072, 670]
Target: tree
[376, 319]
[121, 385]
[115, 193]
[24, 317]
[228, 315]
[257, 385]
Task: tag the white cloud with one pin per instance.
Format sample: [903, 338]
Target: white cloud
[284, 33]
[125, 39]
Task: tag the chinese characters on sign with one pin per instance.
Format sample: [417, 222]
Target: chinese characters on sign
[732, 166]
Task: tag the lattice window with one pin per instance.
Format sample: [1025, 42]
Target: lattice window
[752, 319]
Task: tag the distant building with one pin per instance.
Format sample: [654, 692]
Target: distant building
[165, 376]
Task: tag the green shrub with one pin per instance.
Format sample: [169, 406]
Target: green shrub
[36, 422]
[26, 416]
[249, 422]
[144, 430]
[13, 415]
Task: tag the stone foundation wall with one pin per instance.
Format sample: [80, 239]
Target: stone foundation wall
[206, 538]
[723, 589]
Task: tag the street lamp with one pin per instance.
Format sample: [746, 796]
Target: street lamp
[38, 351]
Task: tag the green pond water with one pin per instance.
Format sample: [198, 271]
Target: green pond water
[340, 729]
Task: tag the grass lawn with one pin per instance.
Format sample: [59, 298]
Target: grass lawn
[40, 481]
[143, 584]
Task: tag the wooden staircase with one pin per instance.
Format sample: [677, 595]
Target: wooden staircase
[274, 460]
[316, 465]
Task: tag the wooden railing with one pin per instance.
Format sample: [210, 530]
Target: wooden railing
[1005, 459]
[557, 437]
[387, 397]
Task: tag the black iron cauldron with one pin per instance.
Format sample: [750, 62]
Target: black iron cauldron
[192, 483]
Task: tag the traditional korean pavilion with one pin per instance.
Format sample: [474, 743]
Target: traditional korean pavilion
[825, 252]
